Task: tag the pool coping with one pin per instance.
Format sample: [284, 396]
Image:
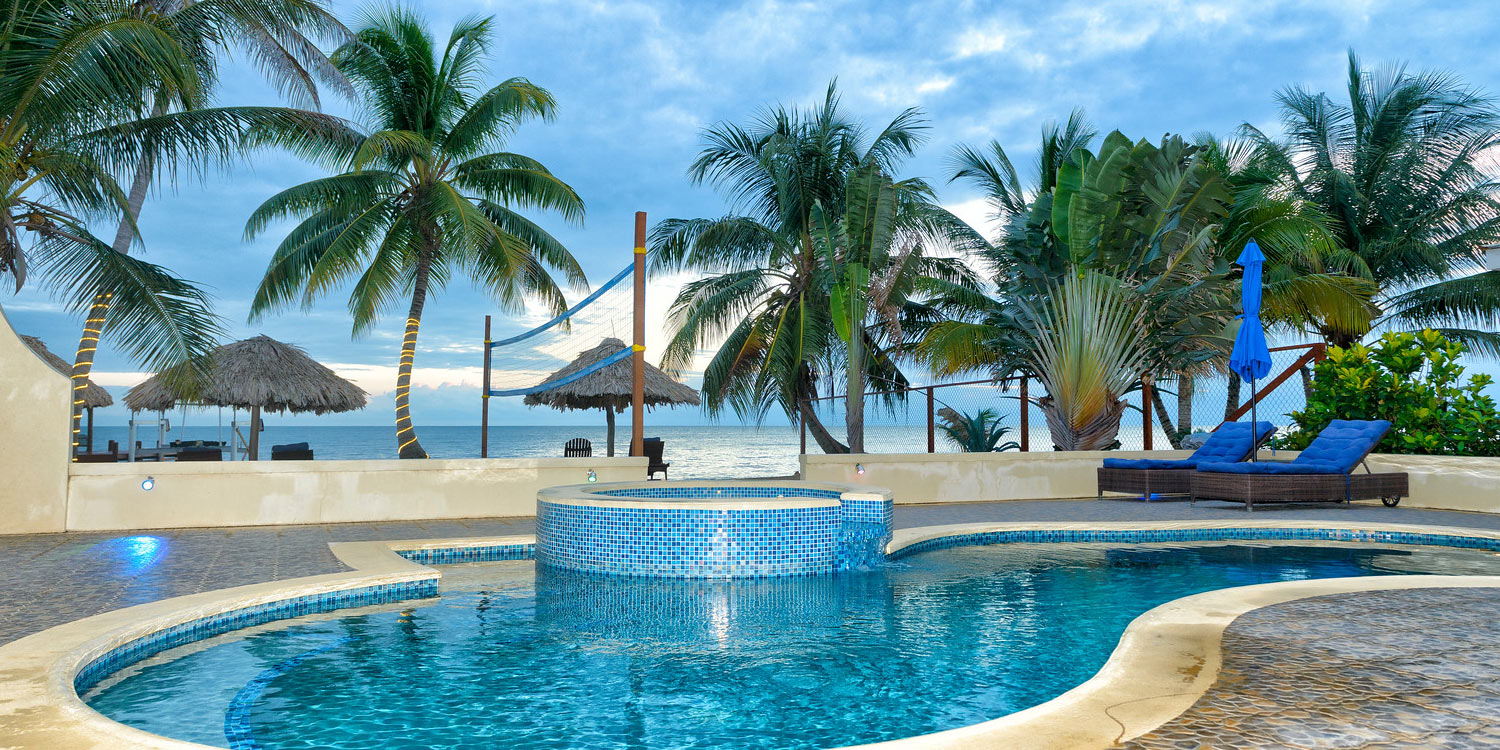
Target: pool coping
[1163, 663]
[592, 495]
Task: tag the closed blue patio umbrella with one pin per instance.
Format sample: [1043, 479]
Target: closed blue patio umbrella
[1251, 358]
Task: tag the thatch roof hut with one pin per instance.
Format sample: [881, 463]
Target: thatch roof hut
[609, 388]
[259, 373]
[94, 396]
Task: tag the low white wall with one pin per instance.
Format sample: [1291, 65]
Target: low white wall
[35, 438]
[1438, 482]
[191, 494]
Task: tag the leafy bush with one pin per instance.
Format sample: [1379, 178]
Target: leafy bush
[977, 433]
[1415, 381]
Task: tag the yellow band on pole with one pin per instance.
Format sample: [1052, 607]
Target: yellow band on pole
[638, 348]
[640, 251]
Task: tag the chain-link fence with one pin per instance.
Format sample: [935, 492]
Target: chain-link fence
[954, 417]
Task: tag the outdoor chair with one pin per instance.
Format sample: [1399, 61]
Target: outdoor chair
[653, 447]
[1323, 472]
[1148, 477]
[578, 448]
[200, 453]
[292, 452]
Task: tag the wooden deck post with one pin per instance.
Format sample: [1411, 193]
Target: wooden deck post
[484, 397]
[931, 423]
[1146, 412]
[1025, 414]
[638, 358]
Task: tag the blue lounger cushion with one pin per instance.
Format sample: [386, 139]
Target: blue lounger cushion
[1336, 450]
[1231, 442]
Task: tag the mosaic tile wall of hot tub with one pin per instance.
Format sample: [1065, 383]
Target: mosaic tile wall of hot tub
[709, 530]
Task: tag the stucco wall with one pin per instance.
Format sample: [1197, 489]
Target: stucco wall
[109, 496]
[1440, 482]
[34, 438]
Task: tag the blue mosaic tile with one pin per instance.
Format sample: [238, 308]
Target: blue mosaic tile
[478, 553]
[1138, 536]
[206, 627]
[718, 493]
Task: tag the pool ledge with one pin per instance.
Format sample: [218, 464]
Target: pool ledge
[1165, 660]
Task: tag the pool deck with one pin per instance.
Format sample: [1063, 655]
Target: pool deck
[1367, 670]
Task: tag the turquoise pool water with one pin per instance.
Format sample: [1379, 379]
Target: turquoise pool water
[519, 657]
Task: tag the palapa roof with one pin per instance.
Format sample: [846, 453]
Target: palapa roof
[94, 395]
[263, 372]
[609, 387]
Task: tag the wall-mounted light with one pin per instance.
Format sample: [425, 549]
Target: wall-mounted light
[148, 483]
[859, 469]
[592, 476]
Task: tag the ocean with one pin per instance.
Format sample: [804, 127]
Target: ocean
[695, 452]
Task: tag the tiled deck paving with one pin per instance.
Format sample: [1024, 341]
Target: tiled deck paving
[1395, 679]
[1375, 671]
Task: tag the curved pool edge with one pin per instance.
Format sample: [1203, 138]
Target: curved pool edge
[1163, 663]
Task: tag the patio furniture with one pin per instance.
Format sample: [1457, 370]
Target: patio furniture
[1145, 477]
[200, 453]
[1323, 472]
[652, 447]
[292, 452]
[578, 448]
[111, 456]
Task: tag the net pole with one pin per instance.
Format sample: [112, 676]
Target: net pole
[638, 358]
[484, 397]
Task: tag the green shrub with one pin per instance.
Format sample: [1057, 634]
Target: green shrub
[1415, 381]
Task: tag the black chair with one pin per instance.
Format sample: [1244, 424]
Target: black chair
[653, 447]
[292, 452]
[578, 448]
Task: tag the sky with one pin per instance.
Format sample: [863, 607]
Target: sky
[637, 82]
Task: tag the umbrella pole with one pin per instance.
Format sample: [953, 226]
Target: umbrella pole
[254, 447]
[1254, 433]
[609, 430]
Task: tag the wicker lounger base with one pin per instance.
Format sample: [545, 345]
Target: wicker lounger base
[1144, 483]
[1298, 488]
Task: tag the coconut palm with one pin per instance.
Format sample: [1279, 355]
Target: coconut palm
[280, 35]
[426, 195]
[1401, 172]
[975, 433]
[764, 298]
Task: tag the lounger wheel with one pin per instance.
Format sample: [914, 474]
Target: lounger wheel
[1390, 502]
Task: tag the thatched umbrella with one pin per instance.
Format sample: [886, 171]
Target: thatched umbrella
[609, 387]
[259, 373]
[93, 395]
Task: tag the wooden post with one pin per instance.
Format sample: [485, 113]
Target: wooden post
[931, 424]
[484, 397]
[1145, 412]
[638, 359]
[254, 448]
[1025, 416]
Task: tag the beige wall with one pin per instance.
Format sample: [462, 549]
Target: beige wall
[109, 496]
[1440, 482]
[34, 438]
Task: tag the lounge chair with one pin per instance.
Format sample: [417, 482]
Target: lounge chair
[292, 452]
[1323, 472]
[653, 448]
[578, 448]
[1145, 477]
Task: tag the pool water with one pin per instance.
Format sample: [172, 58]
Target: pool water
[512, 655]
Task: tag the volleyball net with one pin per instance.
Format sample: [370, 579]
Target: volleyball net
[586, 338]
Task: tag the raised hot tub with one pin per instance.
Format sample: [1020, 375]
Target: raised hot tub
[712, 529]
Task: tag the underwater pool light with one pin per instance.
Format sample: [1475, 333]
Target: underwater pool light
[148, 483]
[592, 476]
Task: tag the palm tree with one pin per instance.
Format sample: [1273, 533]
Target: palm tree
[275, 34]
[975, 433]
[765, 295]
[1401, 172]
[425, 195]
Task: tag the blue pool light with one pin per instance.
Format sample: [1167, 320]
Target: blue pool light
[148, 483]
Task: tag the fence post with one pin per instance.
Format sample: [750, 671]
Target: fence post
[1025, 415]
[931, 424]
[802, 421]
[1146, 412]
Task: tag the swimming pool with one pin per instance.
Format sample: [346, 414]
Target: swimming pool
[518, 655]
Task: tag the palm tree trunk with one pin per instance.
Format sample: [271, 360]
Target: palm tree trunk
[854, 395]
[406, 433]
[609, 431]
[825, 440]
[1100, 433]
[1232, 401]
[1185, 387]
[1174, 437]
[88, 340]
